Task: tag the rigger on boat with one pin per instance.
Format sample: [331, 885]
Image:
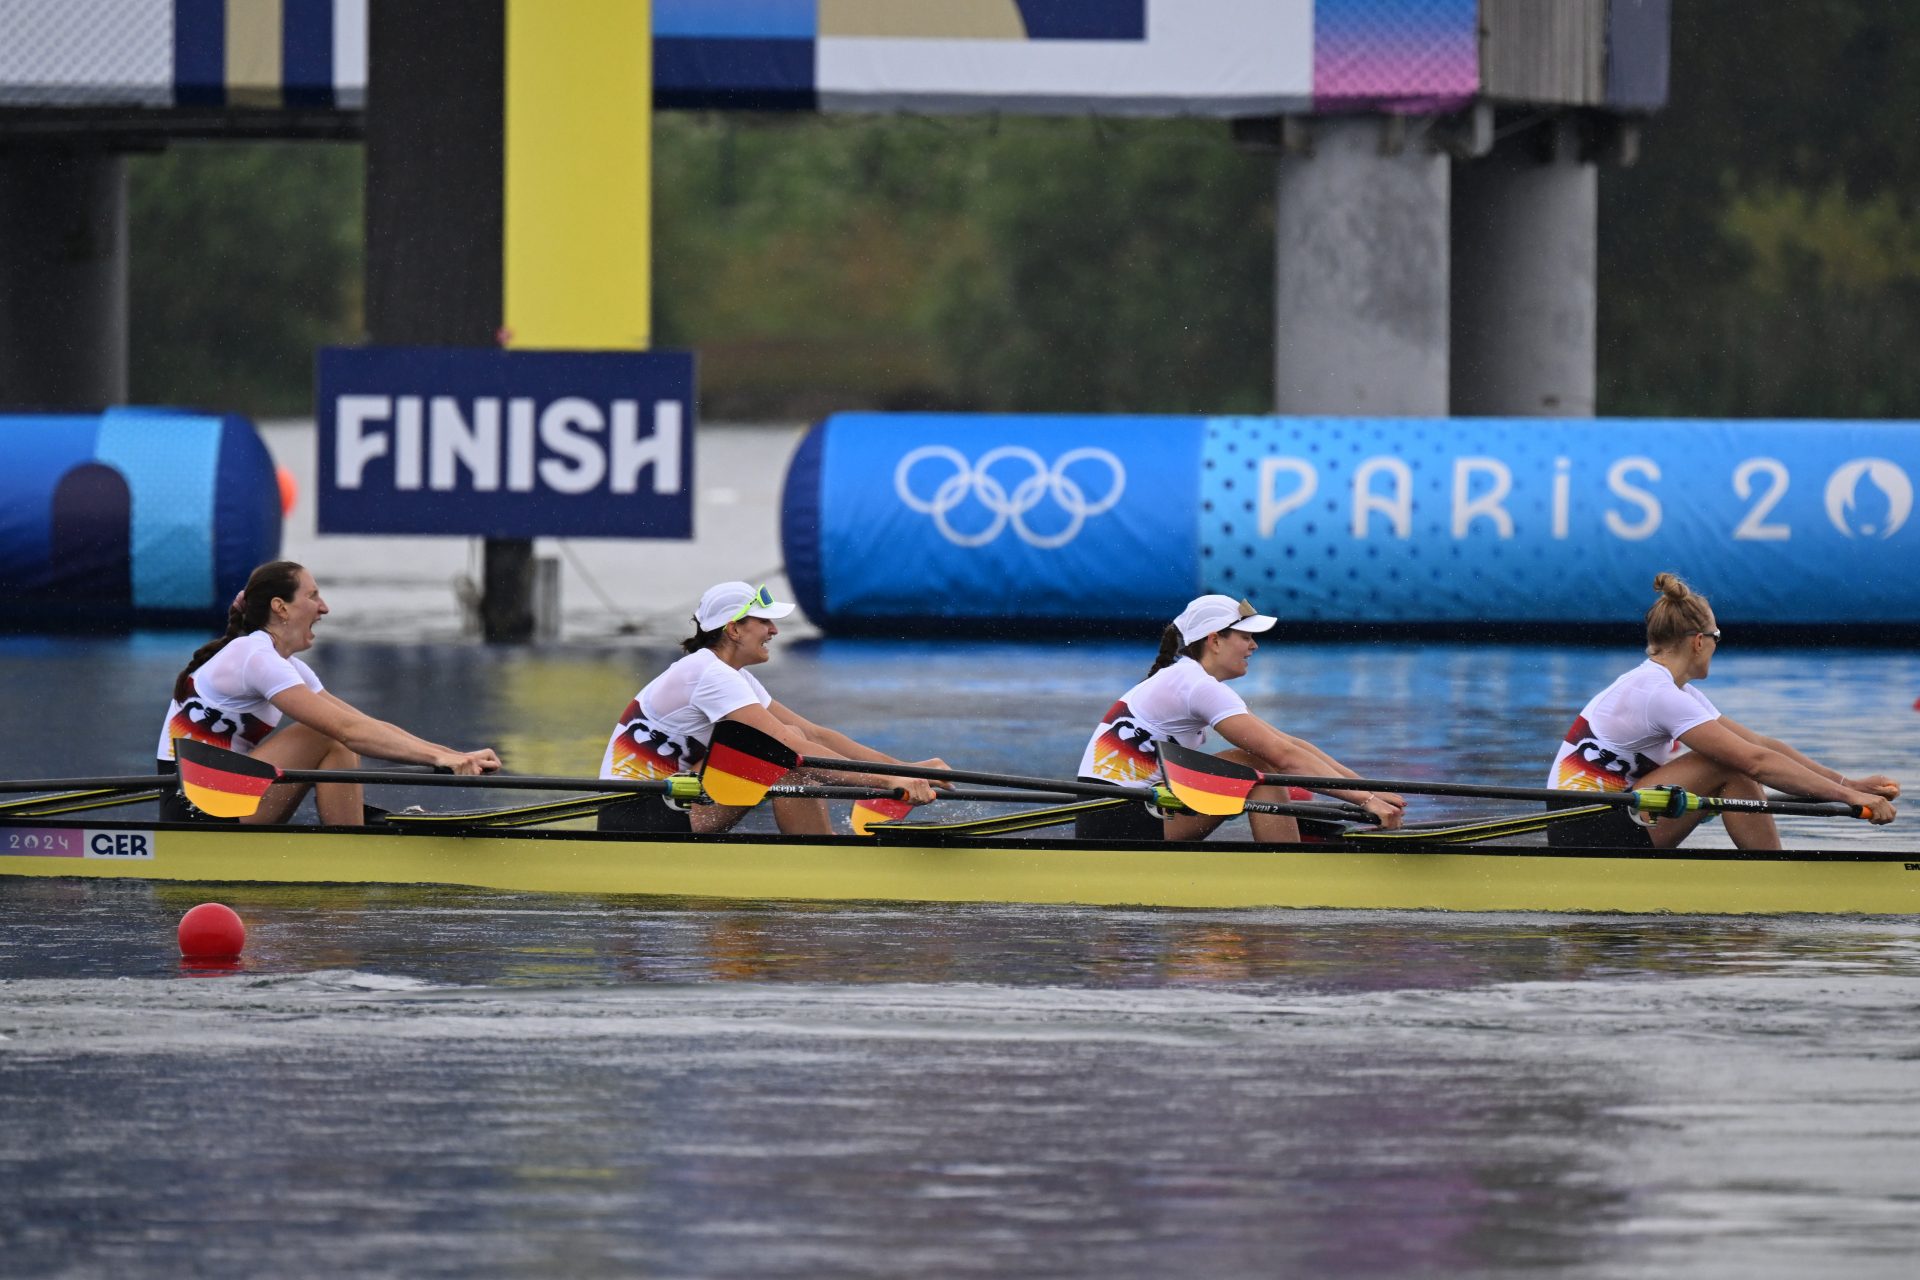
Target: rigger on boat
[1351, 850]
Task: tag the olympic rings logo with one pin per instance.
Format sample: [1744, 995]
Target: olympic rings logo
[975, 480]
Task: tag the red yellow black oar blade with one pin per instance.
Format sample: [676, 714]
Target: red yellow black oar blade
[872, 810]
[1206, 783]
[222, 783]
[742, 762]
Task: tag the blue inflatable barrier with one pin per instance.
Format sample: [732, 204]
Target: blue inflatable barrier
[916, 522]
[132, 517]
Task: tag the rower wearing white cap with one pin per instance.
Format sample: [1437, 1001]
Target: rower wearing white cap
[668, 725]
[1184, 695]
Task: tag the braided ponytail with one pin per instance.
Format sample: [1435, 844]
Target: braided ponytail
[251, 609]
[1171, 651]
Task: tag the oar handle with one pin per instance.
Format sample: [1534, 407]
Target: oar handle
[1337, 811]
[1787, 808]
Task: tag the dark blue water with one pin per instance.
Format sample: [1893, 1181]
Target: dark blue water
[406, 1081]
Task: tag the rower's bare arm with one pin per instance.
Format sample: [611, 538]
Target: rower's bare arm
[1284, 753]
[1873, 784]
[839, 744]
[1736, 748]
[346, 723]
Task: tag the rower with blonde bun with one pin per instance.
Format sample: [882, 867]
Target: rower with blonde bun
[1653, 727]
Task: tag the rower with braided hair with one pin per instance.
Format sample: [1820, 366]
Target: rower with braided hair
[238, 688]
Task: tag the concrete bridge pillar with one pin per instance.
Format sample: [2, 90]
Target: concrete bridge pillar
[1361, 267]
[1525, 245]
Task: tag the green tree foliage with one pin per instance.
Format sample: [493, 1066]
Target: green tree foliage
[246, 257]
[1763, 258]
[981, 264]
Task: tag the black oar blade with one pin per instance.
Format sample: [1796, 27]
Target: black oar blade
[742, 762]
[222, 783]
[1206, 783]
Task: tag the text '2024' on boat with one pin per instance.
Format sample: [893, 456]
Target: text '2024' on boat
[895, 857]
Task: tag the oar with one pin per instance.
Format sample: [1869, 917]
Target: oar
[1208, 784]
[226, 784]
[743, 762]
[78, 802]
[151, 786]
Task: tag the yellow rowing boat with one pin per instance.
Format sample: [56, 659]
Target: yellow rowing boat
[931, 868]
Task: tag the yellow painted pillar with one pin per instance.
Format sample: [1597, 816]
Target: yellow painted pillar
[578, 182]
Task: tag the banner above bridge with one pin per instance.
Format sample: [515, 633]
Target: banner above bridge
[1075, 57]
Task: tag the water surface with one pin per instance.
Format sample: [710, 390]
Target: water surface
[416, 1081]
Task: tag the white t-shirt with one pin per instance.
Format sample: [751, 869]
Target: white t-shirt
[1628, 730]
[230, 704]
[666, 728]
[1180, 702]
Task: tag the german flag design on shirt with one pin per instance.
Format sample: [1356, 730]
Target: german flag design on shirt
[1123, 751]
[641, 751]
[1585, 765]
[204, 723]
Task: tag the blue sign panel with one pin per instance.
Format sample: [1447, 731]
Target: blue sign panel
[923, 520]
[1047, 519]
[506, 444]
[1518, 520]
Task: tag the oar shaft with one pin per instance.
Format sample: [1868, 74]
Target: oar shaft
[490, 781]
[1651, 799]
[894, 793]
[1468, 789]
[1070, 786]
[1073, 787]
[1786, 808]
[1337, 811]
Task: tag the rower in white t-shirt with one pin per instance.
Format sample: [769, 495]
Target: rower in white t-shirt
[1652, 728]
[1183, 697]
[239, 688]
[668, 725]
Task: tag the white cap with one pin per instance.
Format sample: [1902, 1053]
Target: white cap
[1208, 614]
[732, 600]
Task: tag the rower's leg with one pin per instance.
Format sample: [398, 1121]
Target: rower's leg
[1703, 777]
[711, 819]
[295, 746]
[1267, 828]
[801, 817]
[1190, 826]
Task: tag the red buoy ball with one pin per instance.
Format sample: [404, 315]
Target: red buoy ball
[289, 490]
[211, 931]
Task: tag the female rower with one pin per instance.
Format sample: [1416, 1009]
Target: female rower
[1183, 696]
[236, 689]
[1633, 732]
[667, 726]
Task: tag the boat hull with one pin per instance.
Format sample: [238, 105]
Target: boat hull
[845, 869]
